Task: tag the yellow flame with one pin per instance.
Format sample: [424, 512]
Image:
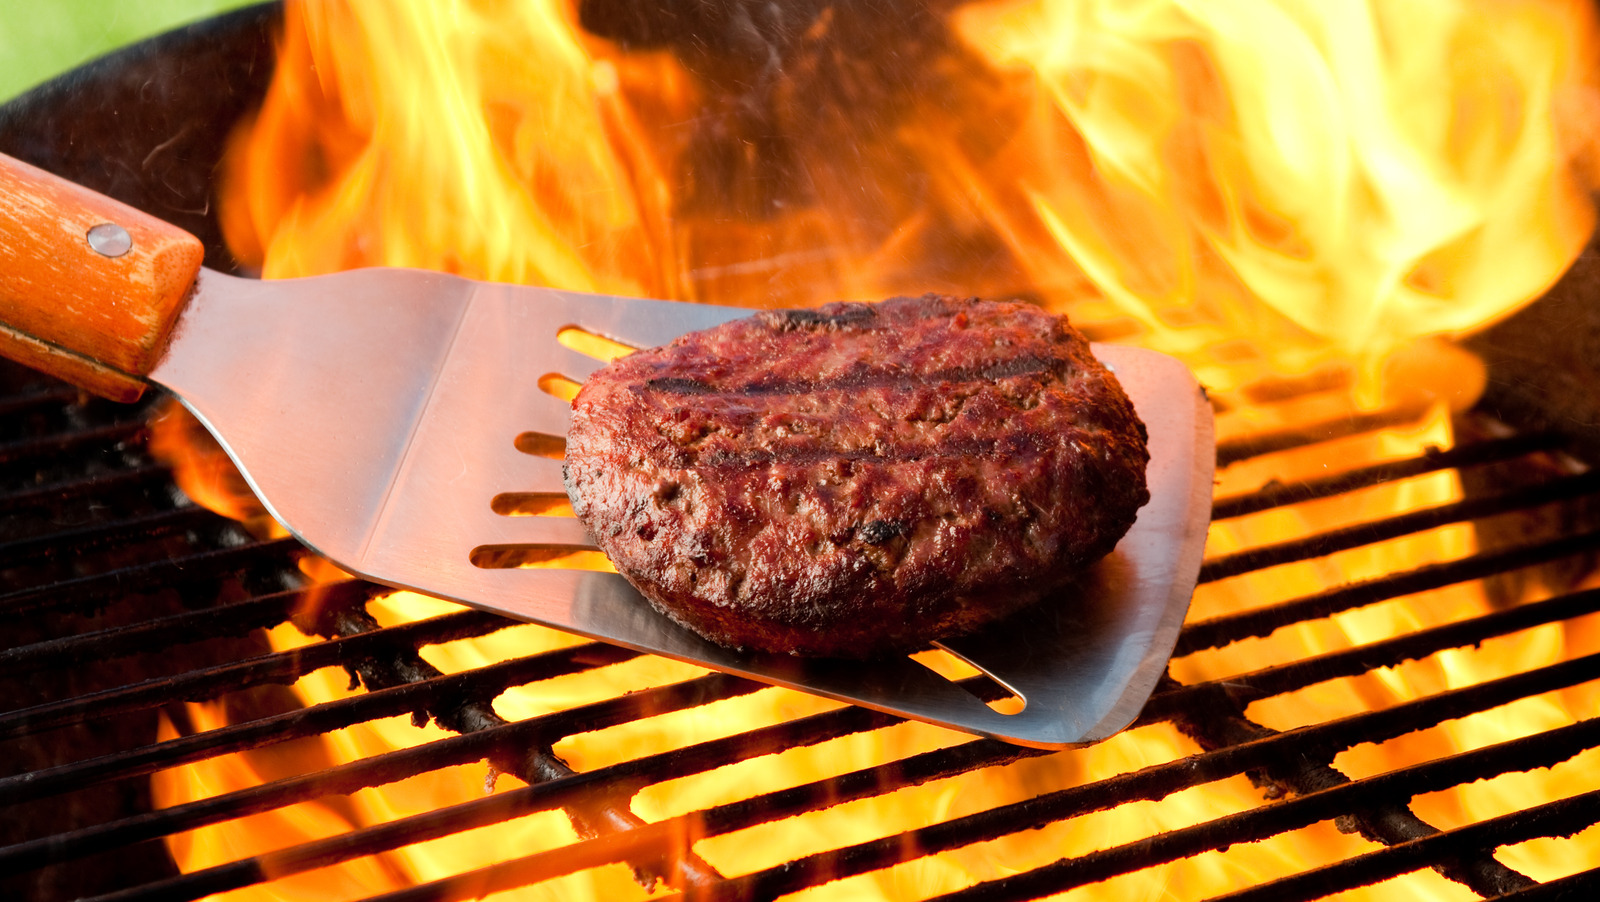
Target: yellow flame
[1308, 174]
[1328, 179]
[485, 141]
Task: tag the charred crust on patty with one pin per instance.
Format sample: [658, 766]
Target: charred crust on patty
[876, 532]
[857, 480]
[834, 316]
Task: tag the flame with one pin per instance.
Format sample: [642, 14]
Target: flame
[203, 471]
[1266, 189]
[1329, 181]
[491, 143]
[1364, 174]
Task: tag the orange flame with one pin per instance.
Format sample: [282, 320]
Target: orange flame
[1326, 180]
[492, 144]
[203, 471]
[1259, 186]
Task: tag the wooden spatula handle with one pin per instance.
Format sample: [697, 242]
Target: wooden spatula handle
[89, 286]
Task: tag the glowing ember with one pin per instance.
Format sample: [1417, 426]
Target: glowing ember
[1263, 188]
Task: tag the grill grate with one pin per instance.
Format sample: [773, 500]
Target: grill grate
[129, 601]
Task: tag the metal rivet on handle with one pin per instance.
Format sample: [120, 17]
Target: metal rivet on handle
[110, 240]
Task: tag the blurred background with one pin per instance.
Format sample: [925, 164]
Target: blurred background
[41, 39]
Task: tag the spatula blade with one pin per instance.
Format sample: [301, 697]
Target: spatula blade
[377, 413]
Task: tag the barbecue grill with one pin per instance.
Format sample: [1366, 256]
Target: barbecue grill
[124, 601]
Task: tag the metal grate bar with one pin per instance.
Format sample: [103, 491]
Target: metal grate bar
[387, 662]
[1559, 818]
[1151, 783]
[508, 875]
[629, 777]
[599, 814]
[54, 396]
[103, 536]
[645, 841]
[101, 588]
[1430, 461]
[1227, 629]
[1517, 755]
[101, 486]
[1580, 887]
[1232, 452]
[1275, 680]
[282, 667]
[162, 633]
[1158, 781]
[1409, 721]
[24, 450]
[407, 698]
[576, 790]
[342, 779]
[1413, 521]
[1388, 822]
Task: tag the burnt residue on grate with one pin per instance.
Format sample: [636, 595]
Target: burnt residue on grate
[83, 513]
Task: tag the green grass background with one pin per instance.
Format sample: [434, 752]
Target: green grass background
[42, 38]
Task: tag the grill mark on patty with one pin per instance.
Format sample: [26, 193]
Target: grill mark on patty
[681, 385]
[947, 408]
[1013, 445]
[846, 315]
[863, 377]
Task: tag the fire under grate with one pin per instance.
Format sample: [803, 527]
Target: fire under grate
[123, 602]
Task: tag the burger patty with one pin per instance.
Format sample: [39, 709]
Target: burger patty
[857, 480]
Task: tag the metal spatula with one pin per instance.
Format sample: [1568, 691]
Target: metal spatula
[377, 414]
